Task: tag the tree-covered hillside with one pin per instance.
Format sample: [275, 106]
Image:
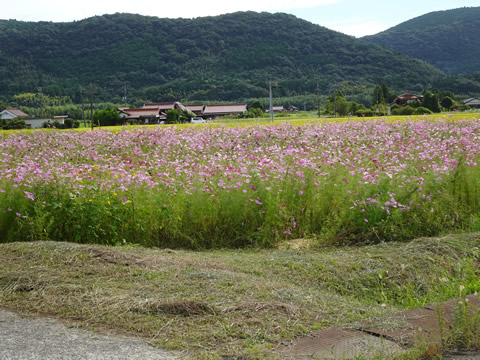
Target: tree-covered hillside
[449, 40]
[212, 58]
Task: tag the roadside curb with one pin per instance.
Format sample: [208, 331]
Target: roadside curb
[429, 325]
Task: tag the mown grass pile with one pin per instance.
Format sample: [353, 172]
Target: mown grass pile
[230, 303]
[217, 186]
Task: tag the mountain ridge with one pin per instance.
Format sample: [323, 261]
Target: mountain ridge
[447, 39]
[222, 57]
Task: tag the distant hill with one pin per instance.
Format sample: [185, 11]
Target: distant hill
[211, 58]
[449, 40]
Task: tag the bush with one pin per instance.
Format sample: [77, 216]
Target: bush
[405, 110]
[11, 124]
[253, 113]
[107, 117]
[366, 112]
[422, 110]
[68, 123]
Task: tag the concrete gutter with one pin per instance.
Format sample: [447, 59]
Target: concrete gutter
[430, 325]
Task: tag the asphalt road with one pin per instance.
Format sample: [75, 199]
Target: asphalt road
[28, 339]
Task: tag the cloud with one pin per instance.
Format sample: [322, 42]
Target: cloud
[356, 27]
[59, 10]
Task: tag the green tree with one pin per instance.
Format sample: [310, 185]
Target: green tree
[378, 96]
[106, 117]
[337, 104]
[173, 116]
[447, 102]
[430, 101]
[256, 104]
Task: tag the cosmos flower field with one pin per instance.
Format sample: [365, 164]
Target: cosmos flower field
[207, 187]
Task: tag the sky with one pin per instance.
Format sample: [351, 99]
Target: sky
[353, 17]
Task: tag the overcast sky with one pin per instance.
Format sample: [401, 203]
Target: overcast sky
[353, 17]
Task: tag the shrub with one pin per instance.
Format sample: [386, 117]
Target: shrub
[422, 110]
[366, 112]
[12, 124]
[405, 110]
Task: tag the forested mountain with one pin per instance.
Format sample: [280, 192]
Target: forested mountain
[449, 39]
[211, 58]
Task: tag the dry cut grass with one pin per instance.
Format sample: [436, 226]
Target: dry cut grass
[231, 303]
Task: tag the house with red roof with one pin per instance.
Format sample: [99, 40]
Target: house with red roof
[154, 113]
[12, 113]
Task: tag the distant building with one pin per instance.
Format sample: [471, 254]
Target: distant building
[12, 113]
[33, 123]
[404, 100]
[276, 109]
[474, 103]
[197, 109]
[153, 113]
[156, 113]
[37, 123]
[214, 111]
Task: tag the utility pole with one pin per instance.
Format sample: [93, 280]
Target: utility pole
[271, 101]
[39, 89]
[91, 103]
[335, 103]
[125, 95]
[83, 110]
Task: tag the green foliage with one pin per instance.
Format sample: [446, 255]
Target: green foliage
[71, 124]
[460, 84]
[448, 103]
[337, 104]
[226, 58]
[257, 104]
[107, 117]
[175, 116]
[366, 112]
[38, 100]
[252, 113]
[422, 111]
[378, 96]
[11, 124]
[443, 38]
[431, 101]
[403, 110]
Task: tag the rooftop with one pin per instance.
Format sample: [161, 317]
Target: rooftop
[17, 112]
[225, 108]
